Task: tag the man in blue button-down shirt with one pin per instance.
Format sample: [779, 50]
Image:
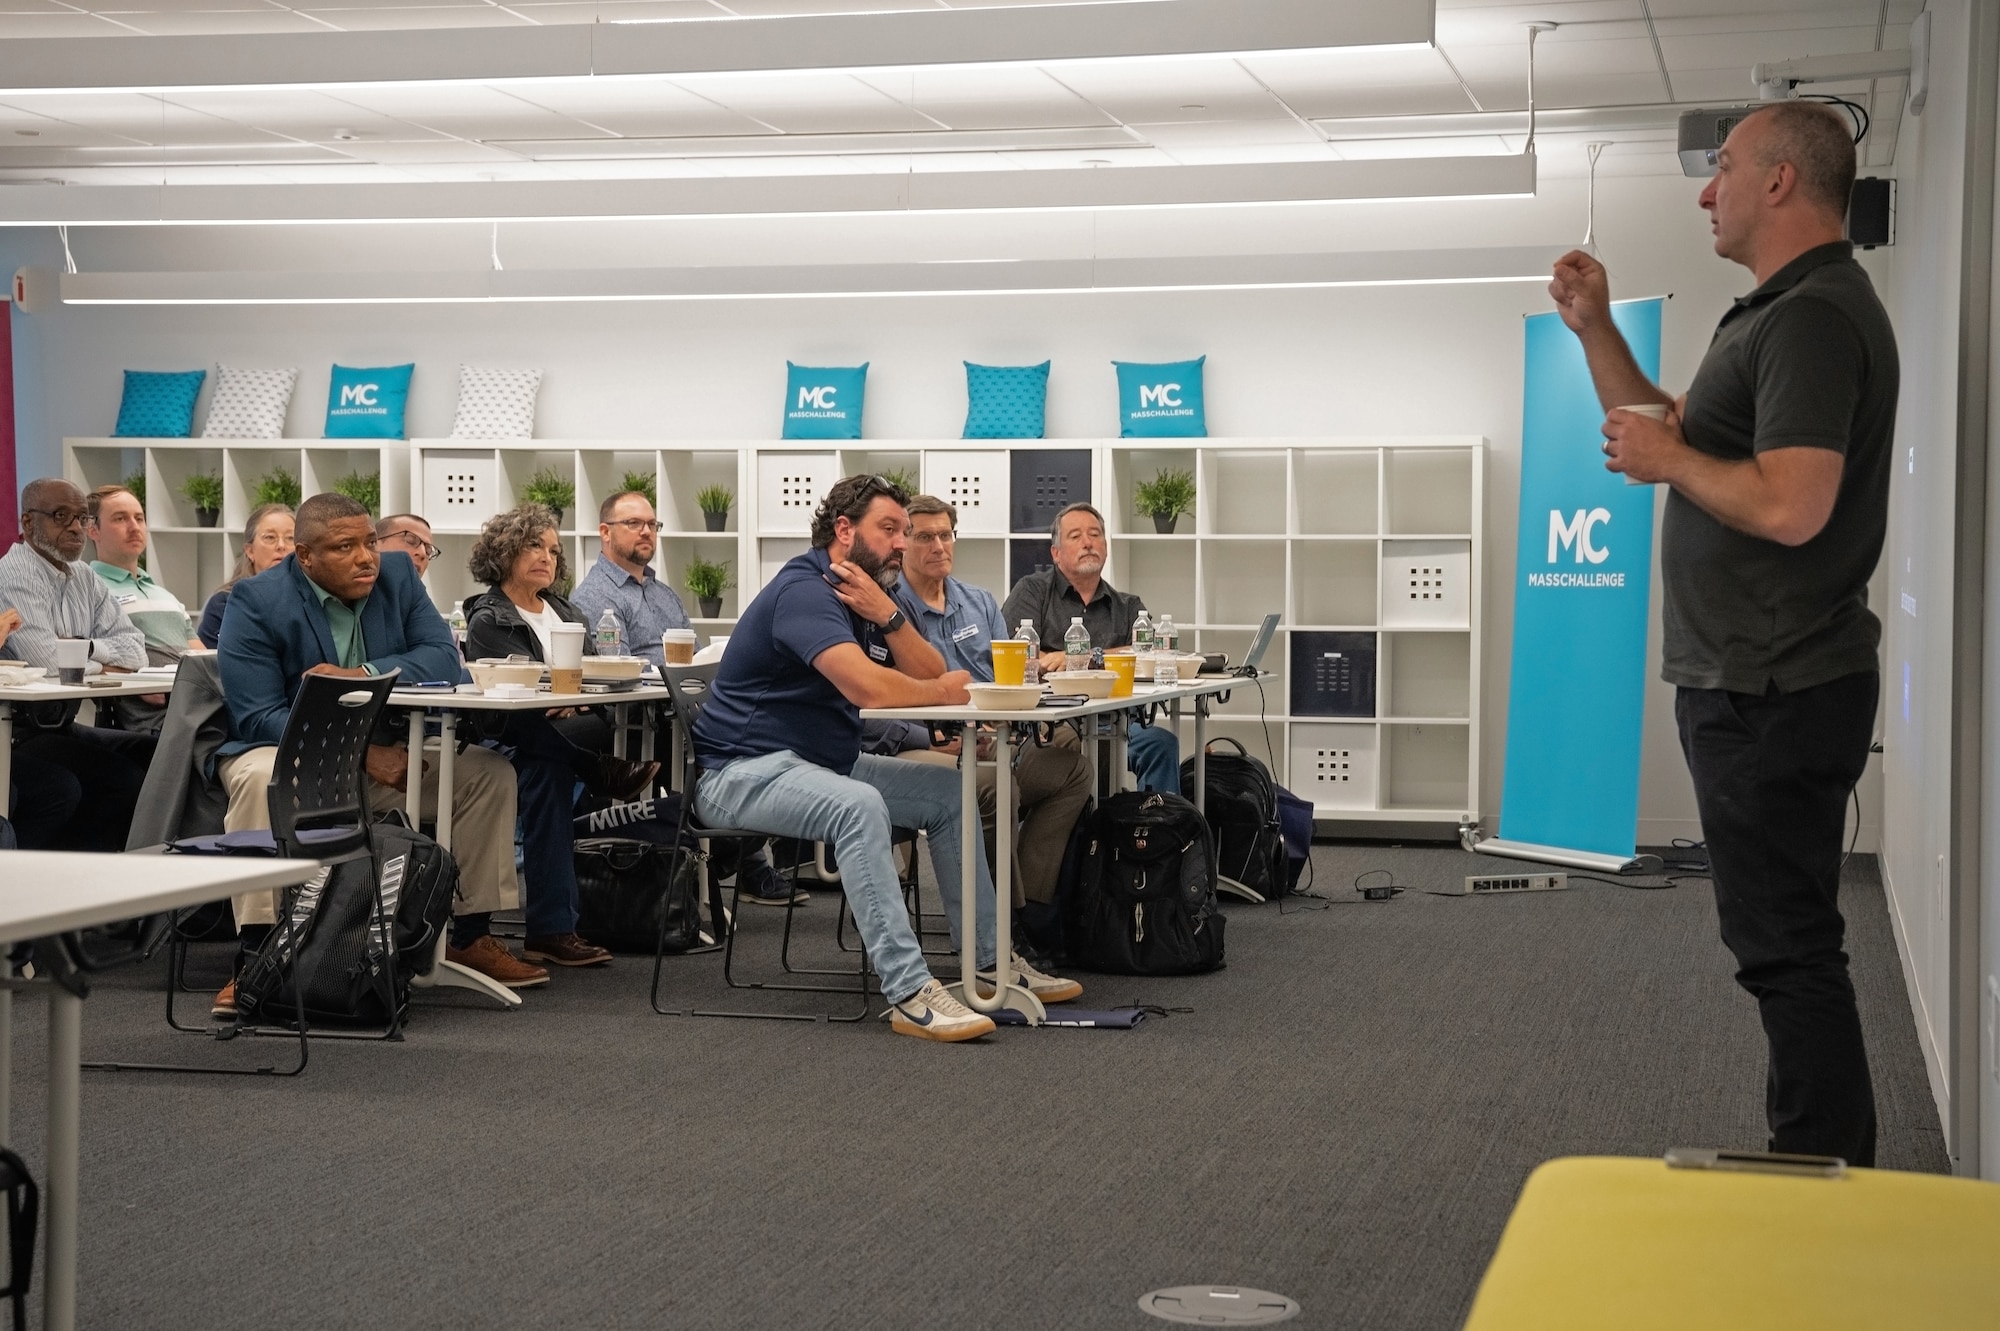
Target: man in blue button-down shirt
[1051, 784]
[622, 582]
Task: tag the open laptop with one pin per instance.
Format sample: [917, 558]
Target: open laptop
[1254, 659]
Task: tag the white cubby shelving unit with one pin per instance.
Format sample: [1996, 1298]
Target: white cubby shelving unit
[1377, 540]
[191, 560]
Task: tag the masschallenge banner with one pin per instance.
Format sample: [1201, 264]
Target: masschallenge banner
[1576, 699]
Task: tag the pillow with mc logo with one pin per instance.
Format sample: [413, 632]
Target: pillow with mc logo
[367, 404]
[1161, 401]
[823, 403]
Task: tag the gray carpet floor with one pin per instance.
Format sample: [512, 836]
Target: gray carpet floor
[1345, 1115]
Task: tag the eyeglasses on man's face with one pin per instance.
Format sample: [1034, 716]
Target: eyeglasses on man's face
[413, 542]
[938, 538]
[62, 517]
[636, 524]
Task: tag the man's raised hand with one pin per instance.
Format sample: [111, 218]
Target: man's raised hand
[1581, 290]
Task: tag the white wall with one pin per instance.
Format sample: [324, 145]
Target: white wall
[1399, 361]
[1916, 682]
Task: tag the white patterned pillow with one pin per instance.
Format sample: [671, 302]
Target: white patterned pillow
[496, 404]
[249, 404]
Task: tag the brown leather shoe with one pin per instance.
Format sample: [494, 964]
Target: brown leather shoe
[225, 1002]
[564, 950]
[622, 779]
[490, 957]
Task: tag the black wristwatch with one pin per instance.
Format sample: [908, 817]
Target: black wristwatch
[896, 621]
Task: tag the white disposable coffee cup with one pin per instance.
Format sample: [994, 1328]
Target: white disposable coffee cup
[677, 646]
[1654, 410]
[566, 647]
[72, 659]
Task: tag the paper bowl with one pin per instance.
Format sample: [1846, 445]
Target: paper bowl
[1190, 663]
[1004, 697]
[613, 667]
[486, 674]
[1096, 683]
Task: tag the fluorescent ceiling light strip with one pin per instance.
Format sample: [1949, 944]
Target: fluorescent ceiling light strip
[912, 39]
[1059, 189]
[821, 282]
[898, 142]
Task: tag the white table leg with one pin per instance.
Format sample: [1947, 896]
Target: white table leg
[1007, 993]
[6, 755]
[413, 798]
[447, 974]
[65, 1076]
[1200, 750]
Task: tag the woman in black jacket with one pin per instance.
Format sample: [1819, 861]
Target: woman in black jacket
[519, 556]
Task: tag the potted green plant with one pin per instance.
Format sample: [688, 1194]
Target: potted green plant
[707, 581]
[715, 502]
[205, 493]
[1168, 495]
[903, 479]
[136, 483]
[365, 490]
[551, 487]
[277, 486]
[646, 483]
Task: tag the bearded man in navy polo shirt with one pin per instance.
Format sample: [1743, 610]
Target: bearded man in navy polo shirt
[779, 743]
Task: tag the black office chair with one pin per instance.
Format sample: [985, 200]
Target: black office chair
[319, 811]
[689, 686]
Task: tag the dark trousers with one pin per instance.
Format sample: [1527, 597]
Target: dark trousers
[1772, 777]
[43, 798]
[544, 768]
[109, 767]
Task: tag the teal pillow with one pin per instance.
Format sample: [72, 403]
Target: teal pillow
[367, 404]
[822, 402]
[158, 405]
[1006, 401]
[1161, 401]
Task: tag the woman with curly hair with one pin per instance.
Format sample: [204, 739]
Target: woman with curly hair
[519, 556]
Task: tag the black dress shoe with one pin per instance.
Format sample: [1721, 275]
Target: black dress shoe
[622, 779]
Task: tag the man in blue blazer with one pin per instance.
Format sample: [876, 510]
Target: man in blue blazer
[337, 607]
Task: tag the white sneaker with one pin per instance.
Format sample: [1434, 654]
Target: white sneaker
[1048, 988]
[933, 1014]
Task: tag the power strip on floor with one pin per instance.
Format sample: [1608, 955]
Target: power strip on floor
[1495, 885]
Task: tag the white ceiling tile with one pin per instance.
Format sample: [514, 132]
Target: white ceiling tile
[33, 7]
[469, 112]
[1735, 48]
[768, 8]
[1021, 98]
[615, 11]
[430, 16]
[122, 8]
[232, 21]
[639, 108]
[65, 24]
[1469, 146]
[811, 104]
[1223, 134]
[1156, 91]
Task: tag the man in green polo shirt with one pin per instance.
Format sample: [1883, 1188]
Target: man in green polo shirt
[1778, 461]
[118, 529]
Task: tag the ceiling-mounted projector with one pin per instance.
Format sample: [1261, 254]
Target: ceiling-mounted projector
[1702, 132]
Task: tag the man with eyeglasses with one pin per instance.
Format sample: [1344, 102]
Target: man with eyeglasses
[118, 530]
[410, 534]
[58, 596]
[622, 580]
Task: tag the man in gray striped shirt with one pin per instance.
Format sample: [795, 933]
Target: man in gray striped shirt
[45, 579]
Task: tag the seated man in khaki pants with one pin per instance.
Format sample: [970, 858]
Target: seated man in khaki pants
[336, 607]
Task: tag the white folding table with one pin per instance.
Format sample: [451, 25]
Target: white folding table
[126, 686]
[1008, 993]
[447, 706]
[43, 893]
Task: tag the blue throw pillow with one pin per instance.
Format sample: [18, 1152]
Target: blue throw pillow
[1006, 401]
[824, 403]
[367, 404]
[158, 405]
[1161, 401]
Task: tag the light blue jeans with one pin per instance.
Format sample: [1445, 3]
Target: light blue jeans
[784, 795]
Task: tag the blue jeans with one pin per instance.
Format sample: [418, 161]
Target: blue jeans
[784, 795]
[1153, 754]
[546, 786]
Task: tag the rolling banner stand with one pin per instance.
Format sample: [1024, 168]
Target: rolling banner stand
[1576, 699]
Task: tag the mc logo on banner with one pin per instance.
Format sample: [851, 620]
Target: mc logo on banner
[1576, 699]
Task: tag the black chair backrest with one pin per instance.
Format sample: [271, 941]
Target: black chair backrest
[689, 686]
[319, 790]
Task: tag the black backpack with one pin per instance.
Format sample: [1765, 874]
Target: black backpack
[345, 971]
[631, 891]
[1242, 808]
[1144, 899]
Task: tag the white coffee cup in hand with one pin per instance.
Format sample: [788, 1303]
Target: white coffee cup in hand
[1653, 411]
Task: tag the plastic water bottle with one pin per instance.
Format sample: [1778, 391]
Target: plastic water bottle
[1142, 634]
[610, 641]
[1166, 637]
[1166, 666]
[1076, 646]
[1032, 672]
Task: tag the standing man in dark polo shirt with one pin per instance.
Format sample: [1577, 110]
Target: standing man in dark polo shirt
[1778, 458]
[1075, 586]
[779, 743]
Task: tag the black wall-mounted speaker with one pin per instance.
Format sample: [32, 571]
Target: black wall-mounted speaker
[1871, 212]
